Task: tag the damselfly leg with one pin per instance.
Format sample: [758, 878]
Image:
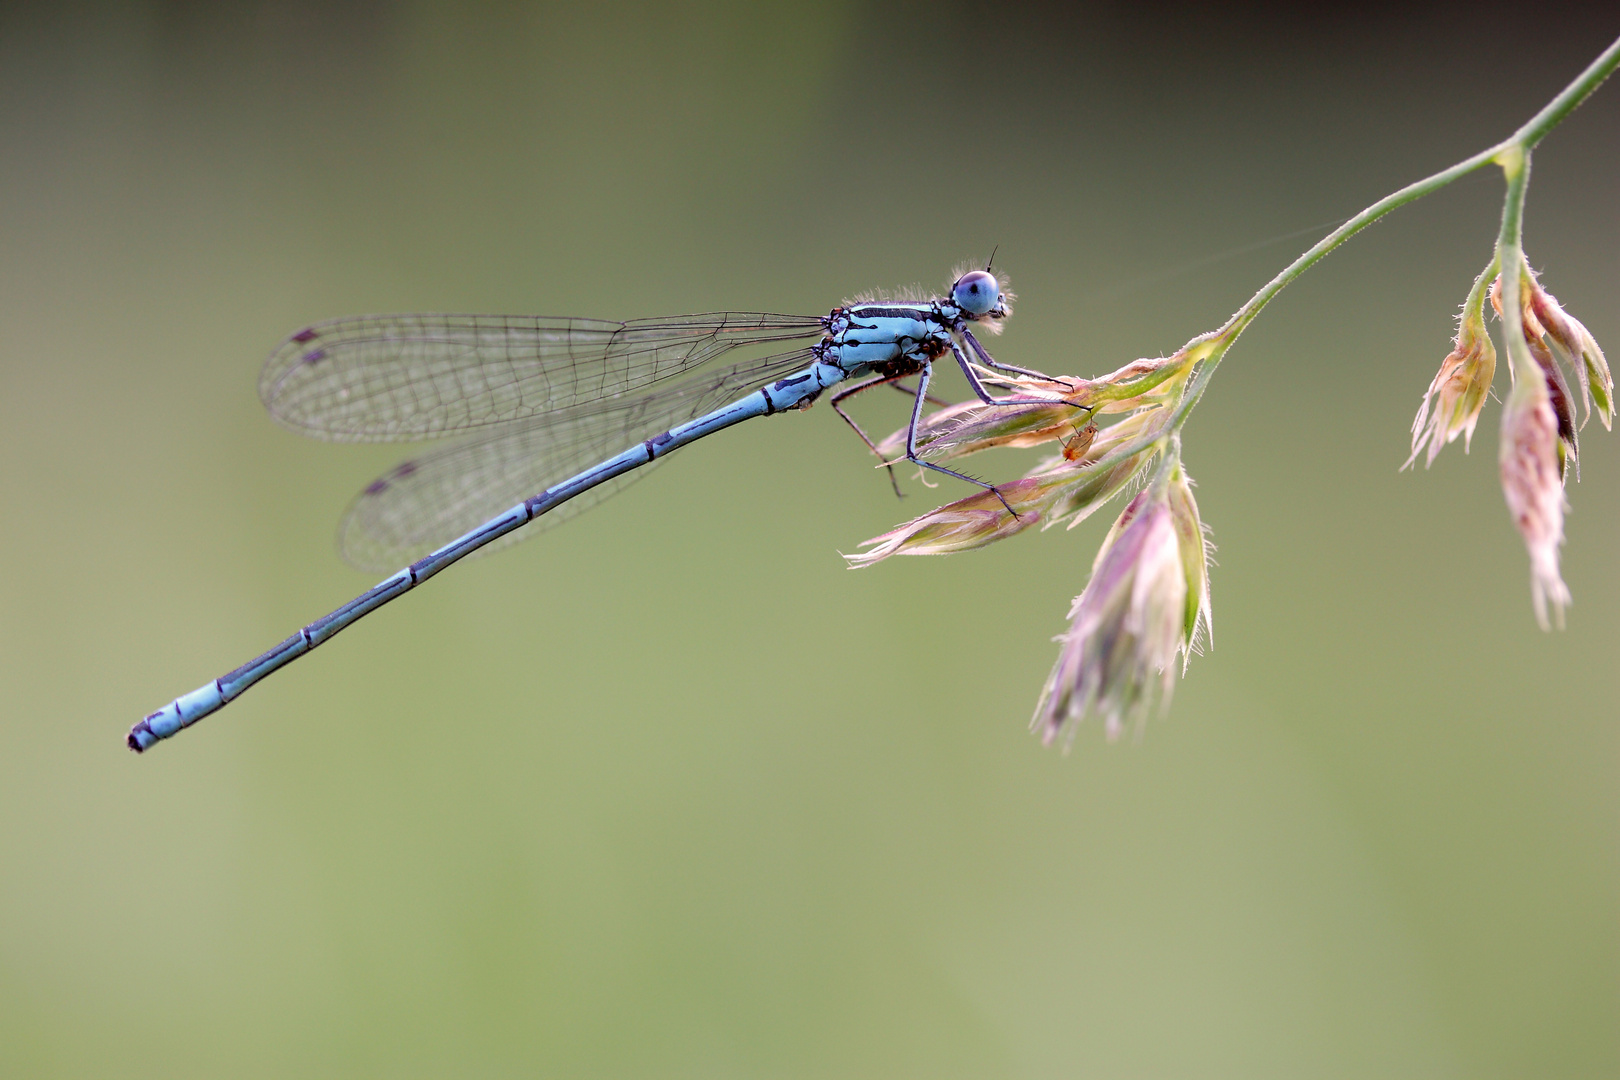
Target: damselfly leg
[837, 406]
[911, 442]
[987, 360]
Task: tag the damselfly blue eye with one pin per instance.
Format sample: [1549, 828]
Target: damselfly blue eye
[976, 293]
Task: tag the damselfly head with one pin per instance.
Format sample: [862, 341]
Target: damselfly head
[979, 295]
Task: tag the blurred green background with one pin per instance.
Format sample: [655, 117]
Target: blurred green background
[607, 805]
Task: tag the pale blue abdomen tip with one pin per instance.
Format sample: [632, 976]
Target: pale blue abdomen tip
[141, 736]
[177, 714]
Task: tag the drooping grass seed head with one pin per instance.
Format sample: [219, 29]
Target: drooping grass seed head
[1455, 398]
[1547, 353]
[1573, 345]
[1532, 469]
[1117, 658]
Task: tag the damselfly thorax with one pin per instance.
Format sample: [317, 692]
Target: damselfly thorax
[888, 339]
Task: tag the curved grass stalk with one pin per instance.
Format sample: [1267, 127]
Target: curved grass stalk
[1511, 154]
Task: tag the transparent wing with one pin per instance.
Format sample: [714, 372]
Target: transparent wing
[426, 502]
[375, 378]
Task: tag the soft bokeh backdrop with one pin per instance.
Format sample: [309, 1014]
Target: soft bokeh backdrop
[669, 792]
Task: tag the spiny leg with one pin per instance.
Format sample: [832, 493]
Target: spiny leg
[973, 379]
[851, 391]
[911, 443]
[990, 361]
[985, 396]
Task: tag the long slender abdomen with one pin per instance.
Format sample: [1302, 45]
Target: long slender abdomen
[186, 710]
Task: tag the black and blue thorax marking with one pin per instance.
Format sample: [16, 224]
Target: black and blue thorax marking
[886, 338]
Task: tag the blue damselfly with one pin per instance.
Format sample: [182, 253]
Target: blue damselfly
[562, 412]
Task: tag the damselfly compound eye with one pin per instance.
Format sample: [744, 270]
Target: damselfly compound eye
[976, 293]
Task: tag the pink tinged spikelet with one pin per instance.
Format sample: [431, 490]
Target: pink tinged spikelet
[1058, 409]
[1118, 656]
[963, 525]
[959, 430]
[1573, 345]
[1154, 381]
[1090, 487]
[1455, 398]
[1198, 627]
[1065, 487]
[1542, 350]
[1532, 465]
